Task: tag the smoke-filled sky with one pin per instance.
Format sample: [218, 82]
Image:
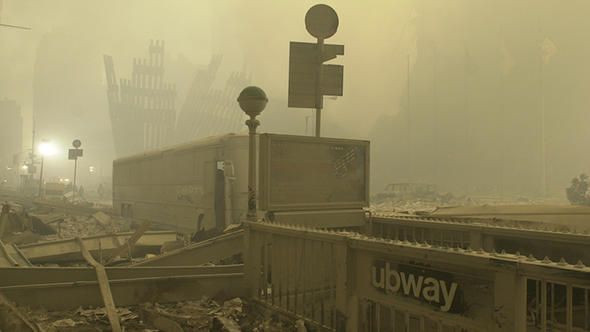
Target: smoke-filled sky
[69, 37]
[258, 31]
[474, 69]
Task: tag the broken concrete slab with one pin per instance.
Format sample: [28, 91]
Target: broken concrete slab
[10, 255]
[49, 218]
[102, 218]
[67, 250]
[128, 246]
[158, 320]
[70, 288]
[212, 250]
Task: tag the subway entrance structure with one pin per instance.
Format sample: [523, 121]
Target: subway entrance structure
[316, 253]
[351, 282]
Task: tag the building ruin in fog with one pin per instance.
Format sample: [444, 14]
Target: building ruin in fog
[11, 144]
[495, 101]
[207, 110]
[142, 108]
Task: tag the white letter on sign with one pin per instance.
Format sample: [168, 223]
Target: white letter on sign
[432, 291]
[389, 273]
[409, 284]
[381, 282]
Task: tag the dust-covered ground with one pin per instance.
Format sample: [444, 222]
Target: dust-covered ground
[204, 315]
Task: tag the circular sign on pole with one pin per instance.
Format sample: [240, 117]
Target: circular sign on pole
[76, 143]
[321, 21]
[252, 100]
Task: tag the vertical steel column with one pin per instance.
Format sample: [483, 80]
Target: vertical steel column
[543, 306]
[41, 177]
[569, 308]
[74, 185]
[586, 309]
[319, 101]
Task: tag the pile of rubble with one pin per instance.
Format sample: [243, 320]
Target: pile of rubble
[74, 253]
[424, 205]
[204, 315]
[72, 226]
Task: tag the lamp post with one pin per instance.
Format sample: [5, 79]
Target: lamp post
[45, 149]
[252, 101]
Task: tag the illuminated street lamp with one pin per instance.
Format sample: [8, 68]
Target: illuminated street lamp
[252, 101]
[46, 149]
[23, 176]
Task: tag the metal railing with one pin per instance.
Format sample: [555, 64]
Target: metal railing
[324, 278]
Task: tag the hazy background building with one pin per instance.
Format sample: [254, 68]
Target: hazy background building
[11, 144]
[141, 108]
[495, 100]
[450, 93]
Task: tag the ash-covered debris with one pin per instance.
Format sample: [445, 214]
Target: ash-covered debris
[81, 226]
[420, 199]
[413, 198]
[19, 226]
[204, 315]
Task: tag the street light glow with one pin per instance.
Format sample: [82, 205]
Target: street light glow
[47, 149]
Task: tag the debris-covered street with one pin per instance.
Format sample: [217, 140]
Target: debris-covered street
[57, 247]
[204, 315]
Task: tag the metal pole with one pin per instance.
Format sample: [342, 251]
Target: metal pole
[319, 101]
[41, 176]
[543, 148]
[252, 123]
[435, 142]
[31, 175]
[252, 101]
[74, 186]
[502, 136]
[318, 121]
[467, 113]
[409, 122]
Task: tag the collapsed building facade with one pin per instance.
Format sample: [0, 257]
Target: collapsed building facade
[143, 112]
[142, 108]
[207, 110]
[11, 144]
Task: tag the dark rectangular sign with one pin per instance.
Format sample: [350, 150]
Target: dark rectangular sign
[73, 154]
[303, 68]
[437, 288]
[312, 173]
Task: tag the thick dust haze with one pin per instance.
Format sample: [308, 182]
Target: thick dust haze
[479, 97]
